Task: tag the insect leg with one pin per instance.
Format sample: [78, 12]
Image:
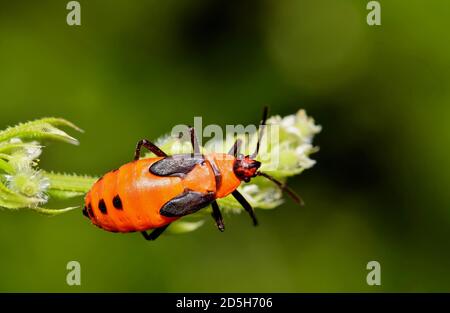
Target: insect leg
[194, 141]
[155, 234]
[217, 216]
[240, 198]
[235, 149]
[150, 146]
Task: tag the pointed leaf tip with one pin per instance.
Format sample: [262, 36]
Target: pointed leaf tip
[53, 212]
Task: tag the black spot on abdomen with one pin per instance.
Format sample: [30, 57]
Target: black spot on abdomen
[117, 202]
[90, 211]
[102, 206]
[85, 213]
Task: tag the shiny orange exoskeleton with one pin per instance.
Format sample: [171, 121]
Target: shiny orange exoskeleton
[151, 193]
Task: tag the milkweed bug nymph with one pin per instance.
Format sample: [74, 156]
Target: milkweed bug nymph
[150, 193]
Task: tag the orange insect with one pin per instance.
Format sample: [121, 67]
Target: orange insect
[153, 192]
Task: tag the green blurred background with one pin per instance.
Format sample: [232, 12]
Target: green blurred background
[134, 69]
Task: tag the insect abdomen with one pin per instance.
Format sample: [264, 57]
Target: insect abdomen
[129, 199]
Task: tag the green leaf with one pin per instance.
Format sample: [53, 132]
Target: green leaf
[5, 166]
[40, 129]
[64, 195]
[53, 212]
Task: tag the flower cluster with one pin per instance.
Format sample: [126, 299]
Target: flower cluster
[22, 183]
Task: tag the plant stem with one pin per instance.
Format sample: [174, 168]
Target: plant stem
[62, 183]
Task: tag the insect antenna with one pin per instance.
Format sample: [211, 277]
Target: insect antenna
[284, 188]
[234, 151]
[260, 131]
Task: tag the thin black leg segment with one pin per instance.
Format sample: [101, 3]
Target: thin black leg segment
[240, 198]
[235, 149]
[194, 141]
[155, 234]
[150, 146]
[217, 216]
